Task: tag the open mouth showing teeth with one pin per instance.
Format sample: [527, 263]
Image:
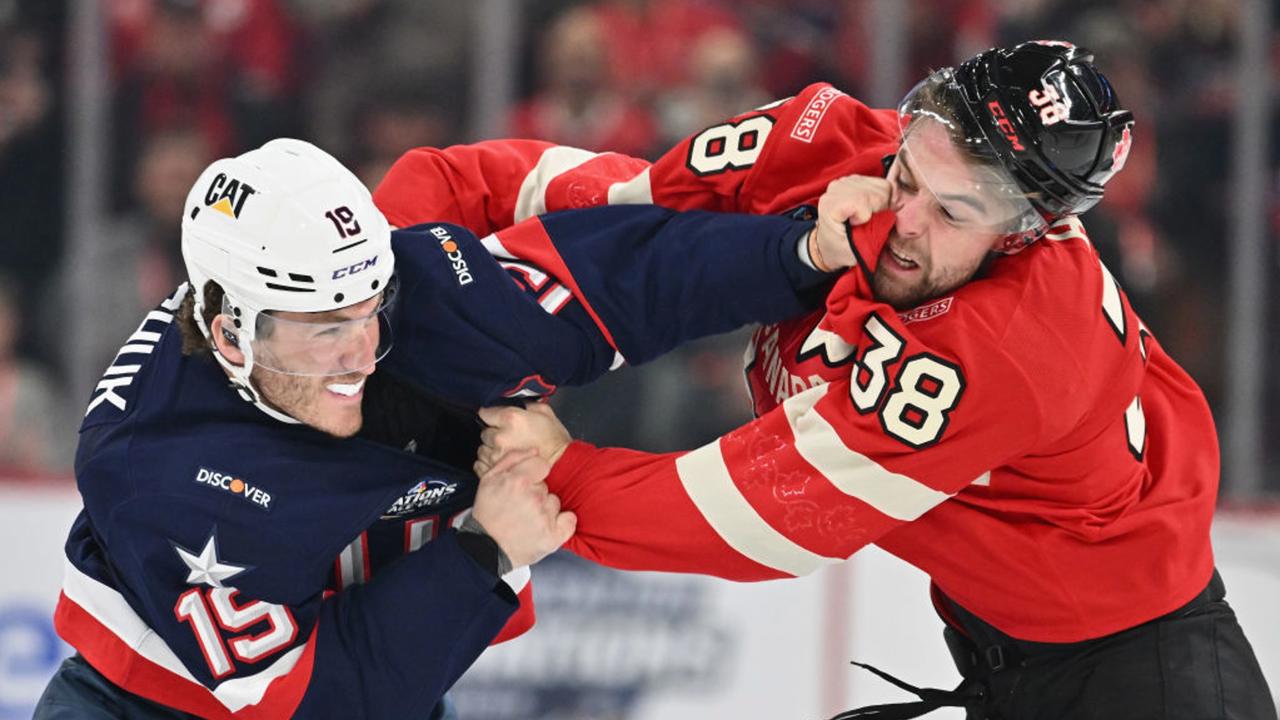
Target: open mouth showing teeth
[347, 389]
[902, 260]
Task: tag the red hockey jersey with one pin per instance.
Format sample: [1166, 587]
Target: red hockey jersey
[1025, 440]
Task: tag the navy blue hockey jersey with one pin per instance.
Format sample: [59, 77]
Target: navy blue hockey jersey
[231, 565]
[575, 294]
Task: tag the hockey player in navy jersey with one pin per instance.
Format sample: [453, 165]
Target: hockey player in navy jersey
[273, 529]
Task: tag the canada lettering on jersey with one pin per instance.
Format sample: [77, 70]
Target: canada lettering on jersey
[779, 381]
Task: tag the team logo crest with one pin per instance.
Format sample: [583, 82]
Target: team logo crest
[425, 494]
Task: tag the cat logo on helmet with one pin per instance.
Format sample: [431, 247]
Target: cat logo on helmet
[227, 195]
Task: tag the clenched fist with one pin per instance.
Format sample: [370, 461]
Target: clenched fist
[512, 428]
[852, 199]
[518, 512]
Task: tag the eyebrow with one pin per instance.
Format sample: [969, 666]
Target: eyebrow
[966, 200]
[969, 200]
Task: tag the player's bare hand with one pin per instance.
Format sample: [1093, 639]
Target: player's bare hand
[852, 199]
[513, 428]
[519, 513]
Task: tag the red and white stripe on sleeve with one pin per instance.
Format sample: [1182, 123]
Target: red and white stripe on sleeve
[741, 165]
[495, 184]
[803, 486]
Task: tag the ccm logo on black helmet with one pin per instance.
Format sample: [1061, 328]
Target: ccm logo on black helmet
[1005, 125]
[454, 254]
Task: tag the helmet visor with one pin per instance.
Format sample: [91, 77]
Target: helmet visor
[323, 347]
[948, 153]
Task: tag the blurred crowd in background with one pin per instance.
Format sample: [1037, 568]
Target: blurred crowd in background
[193, 80]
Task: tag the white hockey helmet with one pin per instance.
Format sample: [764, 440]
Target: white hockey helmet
[284, 227]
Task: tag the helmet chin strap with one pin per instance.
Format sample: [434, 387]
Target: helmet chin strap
[1014, 243]
[241, 374]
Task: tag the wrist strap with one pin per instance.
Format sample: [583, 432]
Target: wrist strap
[482, 548]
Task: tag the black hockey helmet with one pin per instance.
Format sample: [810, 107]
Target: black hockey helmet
[1065, 135]
[1040, 111]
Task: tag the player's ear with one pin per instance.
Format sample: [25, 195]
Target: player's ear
[226, 339]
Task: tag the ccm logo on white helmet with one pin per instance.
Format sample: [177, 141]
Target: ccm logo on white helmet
[454, 253]
[353, 269]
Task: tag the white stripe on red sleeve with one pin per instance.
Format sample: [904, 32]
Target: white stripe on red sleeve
[635, 191]
[532, 197]
[706, 479]
[586, 179]
[852, 473]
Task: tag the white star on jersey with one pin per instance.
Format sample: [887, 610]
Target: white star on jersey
[205, 568]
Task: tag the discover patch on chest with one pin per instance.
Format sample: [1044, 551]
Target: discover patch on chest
[226, 482]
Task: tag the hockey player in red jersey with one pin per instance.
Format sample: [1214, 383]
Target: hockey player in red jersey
[977, 397]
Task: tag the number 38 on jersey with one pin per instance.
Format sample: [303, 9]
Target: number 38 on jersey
[912, 398]
[916, 408]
